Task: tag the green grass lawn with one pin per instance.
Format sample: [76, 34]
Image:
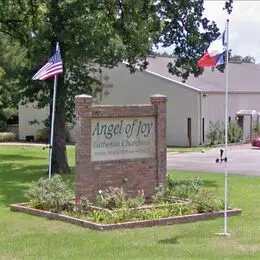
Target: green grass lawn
[171, 149]
[28, 237]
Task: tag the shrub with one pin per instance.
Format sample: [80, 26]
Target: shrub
[160, 194]
[256, 128]
[137, 201]
[235, 133]
[183, 189]
[204, 202]
[3, 125]
[52, 195]
[42, 135]
[111, 198]
[215, 133]
[6, 137]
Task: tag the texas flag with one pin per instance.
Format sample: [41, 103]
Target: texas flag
[214, 55]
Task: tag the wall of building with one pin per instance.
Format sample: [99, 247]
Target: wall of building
[135, 88]
[213, 107]
[28, 113]
[183, 103]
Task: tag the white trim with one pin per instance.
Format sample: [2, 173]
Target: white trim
[230, 92]
[166, 78]
[173, 81]
[194, 88]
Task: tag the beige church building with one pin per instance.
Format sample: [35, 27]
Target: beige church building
[190, 107]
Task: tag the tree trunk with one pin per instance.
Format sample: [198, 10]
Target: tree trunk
[59, 152]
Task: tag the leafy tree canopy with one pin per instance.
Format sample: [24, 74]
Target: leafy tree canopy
[98, 33]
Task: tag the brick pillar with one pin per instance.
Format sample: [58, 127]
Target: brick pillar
[159, 103]
[83, 141]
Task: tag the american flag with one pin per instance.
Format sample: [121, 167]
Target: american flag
[51, 68]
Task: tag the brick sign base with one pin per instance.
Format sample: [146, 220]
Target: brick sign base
[139, 133]
[23, 207]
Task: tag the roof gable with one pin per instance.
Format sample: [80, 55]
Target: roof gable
[242, 77]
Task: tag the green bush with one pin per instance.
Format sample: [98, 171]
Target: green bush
[216, 133]
[3, 125]
[116, 198]
[137, 201]
[204, 201]
[183, 189]
[42, 135]
[111, 198]
[52, 195]
[6, 137]
[235, 133]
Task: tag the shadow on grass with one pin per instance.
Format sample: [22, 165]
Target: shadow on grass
[15, 181]
[210, 184]
[172, 240]
[18, 157]
[16, 177]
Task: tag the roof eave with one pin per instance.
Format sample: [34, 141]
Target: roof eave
[168, 79]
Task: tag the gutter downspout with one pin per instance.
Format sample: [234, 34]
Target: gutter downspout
[200, 115]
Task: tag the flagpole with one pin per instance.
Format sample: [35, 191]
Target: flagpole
[53, 117]
[226, 135]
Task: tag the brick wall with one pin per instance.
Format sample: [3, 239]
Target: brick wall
[131, 174]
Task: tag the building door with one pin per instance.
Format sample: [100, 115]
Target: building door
[240, 121]
[189, 131]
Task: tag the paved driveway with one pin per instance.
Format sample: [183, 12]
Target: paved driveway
[242, 159]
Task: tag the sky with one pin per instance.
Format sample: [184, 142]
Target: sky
[244, 25]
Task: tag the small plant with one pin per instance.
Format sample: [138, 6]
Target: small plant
[81, 208]
[183, 189]
[256, 128]
[3, 125]
[137, 201]
[160, 194]
[204, 201]
[6, 137]
[215, 133]
[53, 195]
[235, 133]
[111, 198]
[42, 135]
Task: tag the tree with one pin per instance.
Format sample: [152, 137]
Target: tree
[236, 58]
[8, 95]
[248, 59]
[99, 33]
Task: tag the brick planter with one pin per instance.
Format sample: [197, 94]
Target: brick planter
[22, 207]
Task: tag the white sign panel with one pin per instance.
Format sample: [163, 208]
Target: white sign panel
[122, 138]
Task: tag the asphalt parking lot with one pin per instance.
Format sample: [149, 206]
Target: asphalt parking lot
[242, 160]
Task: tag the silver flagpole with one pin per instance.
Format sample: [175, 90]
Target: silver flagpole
[226, 133]
[53, 116]
[225, 233]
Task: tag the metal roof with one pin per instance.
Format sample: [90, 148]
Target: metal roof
[243, 77]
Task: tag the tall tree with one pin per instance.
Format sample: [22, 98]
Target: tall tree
[99, 33]
[236, 58]
[248, 59]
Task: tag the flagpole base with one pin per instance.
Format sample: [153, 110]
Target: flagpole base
[223, 234]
